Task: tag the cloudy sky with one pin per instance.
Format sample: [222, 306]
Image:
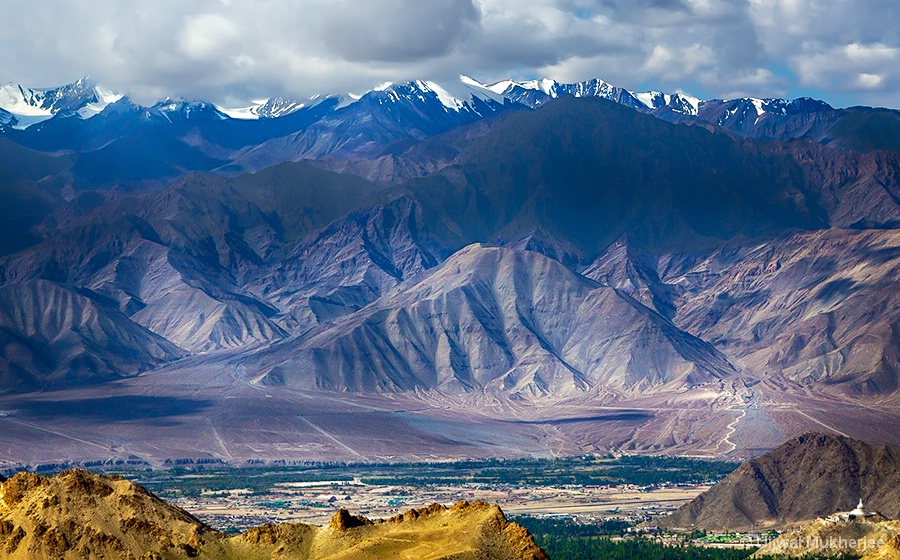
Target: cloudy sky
[845, 52]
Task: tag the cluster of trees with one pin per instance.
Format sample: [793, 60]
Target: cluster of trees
[637, 470]
[566, 526]
[561, 547]
[568, 539]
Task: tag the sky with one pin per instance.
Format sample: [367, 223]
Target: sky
[232, 51]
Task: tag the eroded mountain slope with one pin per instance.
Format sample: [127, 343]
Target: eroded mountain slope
[498, 320]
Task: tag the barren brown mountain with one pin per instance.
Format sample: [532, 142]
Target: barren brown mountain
[807, 477]
[78, 515]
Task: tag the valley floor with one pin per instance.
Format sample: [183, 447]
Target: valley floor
[199, 410]
[315, 505]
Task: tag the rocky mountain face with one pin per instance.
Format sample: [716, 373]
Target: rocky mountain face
[462, 531]
[814, 475]
[212, 263]
[77, 514]
[583, 252]
[891, 551]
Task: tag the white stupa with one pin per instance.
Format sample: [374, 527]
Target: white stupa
[859, 512]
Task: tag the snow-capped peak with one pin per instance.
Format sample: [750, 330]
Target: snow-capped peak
[680, 102]
[443, 96]
[30, 106]
[533, 93]
[455, 96]
[105, 97]
[501, 87]
[181, 109]
[545, 85]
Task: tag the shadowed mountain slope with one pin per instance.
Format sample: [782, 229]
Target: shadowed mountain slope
[348, 264]
[176, 261]
[864, 129]
[858, 190]
[811, 476]
[52, 335]
[26, 198]
[578, 174]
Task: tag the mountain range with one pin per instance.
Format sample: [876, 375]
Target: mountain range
[579, 267]
[177, 135]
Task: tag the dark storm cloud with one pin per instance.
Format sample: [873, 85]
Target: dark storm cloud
[230, 49]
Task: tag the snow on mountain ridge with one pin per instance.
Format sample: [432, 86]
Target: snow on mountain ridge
[188, 109]
[106, 97]
[464, 94]
[22, 107]
[681, 102]
[30, 106]
[593, 88]
[270, 108]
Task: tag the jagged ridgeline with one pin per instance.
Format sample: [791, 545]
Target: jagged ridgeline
[80, 515]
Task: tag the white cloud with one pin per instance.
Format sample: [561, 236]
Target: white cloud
[208, 37]
[868, 81]
[242, 49]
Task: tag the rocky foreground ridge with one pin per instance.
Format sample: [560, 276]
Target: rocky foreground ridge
[78, 514]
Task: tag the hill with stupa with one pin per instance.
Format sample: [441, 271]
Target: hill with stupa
[814, 475]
